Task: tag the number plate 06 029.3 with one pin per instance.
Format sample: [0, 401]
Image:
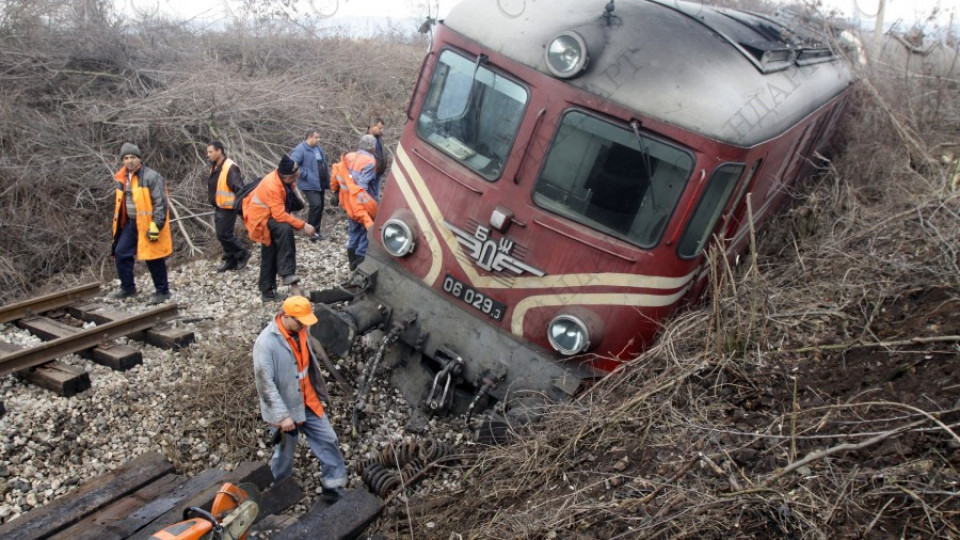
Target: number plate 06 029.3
[481, 302]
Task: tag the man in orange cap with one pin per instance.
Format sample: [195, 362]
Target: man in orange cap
[291, 395]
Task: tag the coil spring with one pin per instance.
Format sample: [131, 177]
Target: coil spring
[410, 470]
[432, 450]
[398, 455]
[380, 479]
[397, 464]
[360, 466]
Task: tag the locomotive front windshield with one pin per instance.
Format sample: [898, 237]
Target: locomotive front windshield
[472, 113]
[605, 177]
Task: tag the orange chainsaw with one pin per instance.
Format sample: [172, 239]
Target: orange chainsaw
[230, 517]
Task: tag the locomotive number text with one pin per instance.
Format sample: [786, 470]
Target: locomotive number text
[478, 300]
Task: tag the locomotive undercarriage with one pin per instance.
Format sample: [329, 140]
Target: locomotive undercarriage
[443, 360]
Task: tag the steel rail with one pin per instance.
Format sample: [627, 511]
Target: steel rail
[85, 339]
[38, 305]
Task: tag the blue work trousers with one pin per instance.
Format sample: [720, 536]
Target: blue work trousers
[126, 252]
[357, 240]
[323, 441]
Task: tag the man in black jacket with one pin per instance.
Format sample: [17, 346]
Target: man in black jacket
[224, 182]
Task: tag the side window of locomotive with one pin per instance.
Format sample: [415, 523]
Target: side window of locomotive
[599, 174]
[472, 113]
[709, 209]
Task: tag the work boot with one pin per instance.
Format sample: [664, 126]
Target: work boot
[356, 262]
[351, 256]
[291, 279]
[269, 296]
[160, 298]
[317, 236]
[334, 494]
[122, 293]
[244, 259]
[226, 265]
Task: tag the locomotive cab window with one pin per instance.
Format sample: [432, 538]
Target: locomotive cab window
[472, 113]
[709, 210]
[605, 177]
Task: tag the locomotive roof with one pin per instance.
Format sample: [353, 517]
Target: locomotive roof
[694, 66]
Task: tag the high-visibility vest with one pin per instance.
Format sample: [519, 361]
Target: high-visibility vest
[266, 202]
[146, 250]
[225, 195]
[359, 205]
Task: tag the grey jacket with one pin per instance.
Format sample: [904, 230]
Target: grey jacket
[276, 374]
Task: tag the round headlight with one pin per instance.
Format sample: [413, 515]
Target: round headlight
[568, 335]
[397, 237]
[567, 55]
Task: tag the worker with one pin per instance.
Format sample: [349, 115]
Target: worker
[224, 181]
[314, 177]
[141, 225]
[379, 152]
[358, 199]
[292, 393]
[266, 213]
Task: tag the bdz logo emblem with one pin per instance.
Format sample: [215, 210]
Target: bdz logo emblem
[489, 253]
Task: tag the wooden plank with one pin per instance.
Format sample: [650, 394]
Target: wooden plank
[255, 472]
[198, 494]
[90, 497]
[114, 356]
[279, 497]
[65, 380]
[120, 519]
[343, 520]
[203, 492]
[56, 376]
[161, 335]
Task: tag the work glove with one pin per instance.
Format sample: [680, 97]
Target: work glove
[153, 233]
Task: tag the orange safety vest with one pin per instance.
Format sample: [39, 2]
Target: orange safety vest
[302, 355]
[146, 250]
[359, 205]
[267, 201]
[225, 195]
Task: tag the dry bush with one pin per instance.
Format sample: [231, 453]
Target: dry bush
[823, 400]
[74, 92]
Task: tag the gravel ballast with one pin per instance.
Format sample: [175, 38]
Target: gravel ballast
[51, 444]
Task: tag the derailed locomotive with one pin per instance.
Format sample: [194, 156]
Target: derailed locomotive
[563, 168]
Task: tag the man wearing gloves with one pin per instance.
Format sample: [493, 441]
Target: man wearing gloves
[141, 225]
[290, 389]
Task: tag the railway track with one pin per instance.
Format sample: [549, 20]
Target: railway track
[49, 317]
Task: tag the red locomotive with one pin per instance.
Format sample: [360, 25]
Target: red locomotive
[564, 167]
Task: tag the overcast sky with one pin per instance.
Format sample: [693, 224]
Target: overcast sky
[907, 10]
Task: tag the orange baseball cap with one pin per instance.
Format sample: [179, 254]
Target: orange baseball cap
[300, 309]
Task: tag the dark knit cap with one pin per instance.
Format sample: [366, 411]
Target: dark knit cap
[130, 149]
[287, 166]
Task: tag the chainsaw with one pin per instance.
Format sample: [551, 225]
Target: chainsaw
[230, 518]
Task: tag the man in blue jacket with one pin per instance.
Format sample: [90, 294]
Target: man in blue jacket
[314, 177]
